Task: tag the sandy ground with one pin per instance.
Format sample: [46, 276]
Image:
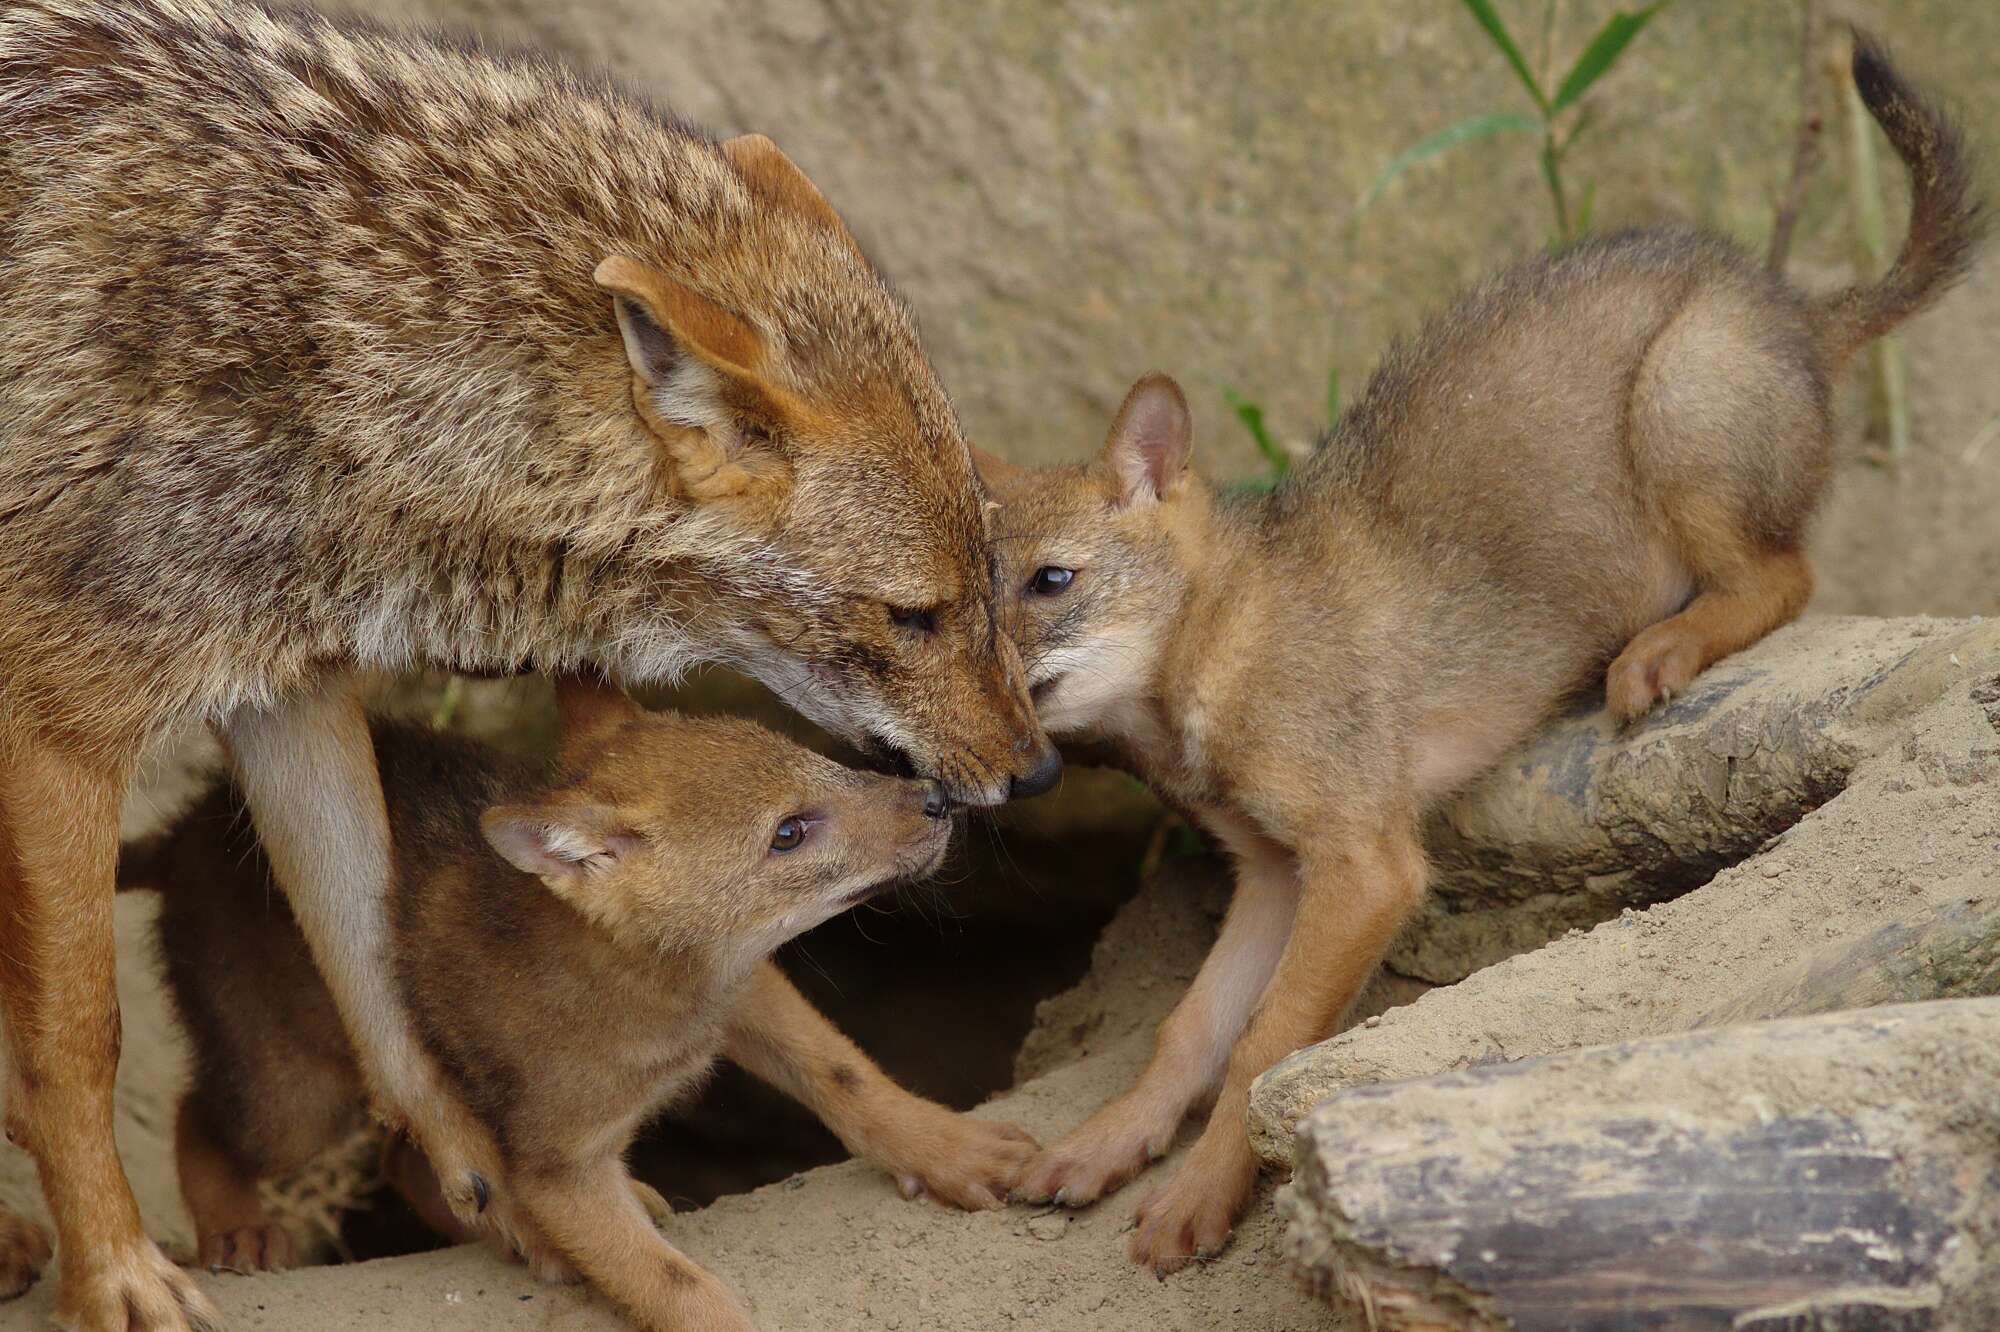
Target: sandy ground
[834, 1248]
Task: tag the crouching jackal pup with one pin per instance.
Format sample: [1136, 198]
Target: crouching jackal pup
[1608, 455]
[323, 349]
[576, 947]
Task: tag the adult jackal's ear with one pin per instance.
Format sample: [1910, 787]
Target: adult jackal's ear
[700, 379]
[775, 179]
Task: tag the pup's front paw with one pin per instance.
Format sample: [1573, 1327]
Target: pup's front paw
[1109, 1148]
[259, 1248]
[953, 1158]
[1657, 664]
[24, 1252]
[1190, 1215]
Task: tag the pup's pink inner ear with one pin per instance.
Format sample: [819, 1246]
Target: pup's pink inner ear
[1150, 440]
[557, 843]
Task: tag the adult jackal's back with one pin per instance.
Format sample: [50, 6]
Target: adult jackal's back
[324, 348]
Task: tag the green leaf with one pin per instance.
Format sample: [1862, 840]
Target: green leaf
[1603, 52]
[1483, 11]
[1583, 206]
[1252, 416]
[1333, 397]
[1465, 131]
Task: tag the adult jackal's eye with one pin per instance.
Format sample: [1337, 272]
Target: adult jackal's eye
[1050, 580]
[918, 619]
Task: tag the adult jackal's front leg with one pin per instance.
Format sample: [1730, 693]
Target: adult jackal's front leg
[307, 770]
[1353, 898]
[58, 984]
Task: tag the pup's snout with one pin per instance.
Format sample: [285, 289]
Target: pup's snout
[1041, 777]
[937, 801]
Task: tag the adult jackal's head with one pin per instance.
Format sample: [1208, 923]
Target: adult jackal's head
[841, 516]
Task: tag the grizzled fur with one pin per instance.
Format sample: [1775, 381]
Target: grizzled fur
[302, 363]
[325, 349]
[1608, 456]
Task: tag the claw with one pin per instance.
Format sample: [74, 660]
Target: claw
[479, 1194]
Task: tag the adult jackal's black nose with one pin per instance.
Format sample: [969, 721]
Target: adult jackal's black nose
[1042, 777]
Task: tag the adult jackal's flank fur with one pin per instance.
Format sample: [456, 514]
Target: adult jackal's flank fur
[324, 349]
[1611, 452]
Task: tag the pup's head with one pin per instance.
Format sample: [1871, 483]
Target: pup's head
[837, 517]
[712, 834]
[1090, 563]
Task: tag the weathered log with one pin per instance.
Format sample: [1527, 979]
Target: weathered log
[1821, 1173]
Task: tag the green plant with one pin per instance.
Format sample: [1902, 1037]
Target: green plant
[1551, 119]
[1278, 459]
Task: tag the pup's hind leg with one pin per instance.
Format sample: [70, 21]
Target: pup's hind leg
[1730, 440]
[232, 1231]
[1769, 590]
[58, 856]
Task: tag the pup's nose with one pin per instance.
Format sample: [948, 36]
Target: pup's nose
[1042, 777]
[937, 801]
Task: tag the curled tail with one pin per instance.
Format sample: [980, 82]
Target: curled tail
[1946, 221]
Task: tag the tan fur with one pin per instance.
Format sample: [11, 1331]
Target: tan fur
[638, 957]
[325, 348]
[1609, 453]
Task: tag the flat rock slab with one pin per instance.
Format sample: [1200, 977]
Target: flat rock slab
[1815, 1173]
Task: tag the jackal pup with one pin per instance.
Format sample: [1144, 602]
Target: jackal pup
[576, 947]
[1609, 453]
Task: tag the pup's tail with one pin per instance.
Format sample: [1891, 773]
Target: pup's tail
[1946, 221]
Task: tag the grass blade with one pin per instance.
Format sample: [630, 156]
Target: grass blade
[1465, 131]
[1333, 397]
[1251, 414]
[1482, 10]
[1603, 52]
[1583, 206]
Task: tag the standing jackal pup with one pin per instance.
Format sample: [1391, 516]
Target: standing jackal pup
[1610, 453]
[323, 348]
[575, 950]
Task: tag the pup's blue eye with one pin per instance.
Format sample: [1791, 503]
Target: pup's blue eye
[1050, 579]
[790, 835]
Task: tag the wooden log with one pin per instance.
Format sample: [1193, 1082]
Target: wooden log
[1836, 1172]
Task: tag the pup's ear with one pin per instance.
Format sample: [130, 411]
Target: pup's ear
[776, 180]
[1001, 477]
[562, 845]
[1147, 449]
[590, 707]
[700, 380]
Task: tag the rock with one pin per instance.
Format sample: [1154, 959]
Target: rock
[1826, 1172]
